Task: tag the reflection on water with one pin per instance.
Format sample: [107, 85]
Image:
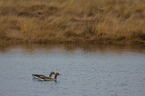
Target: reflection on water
[102, 70]
[71, 48]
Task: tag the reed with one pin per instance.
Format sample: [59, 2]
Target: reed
[72, 21]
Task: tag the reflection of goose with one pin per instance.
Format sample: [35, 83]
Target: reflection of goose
[49, 79]
[37, 76]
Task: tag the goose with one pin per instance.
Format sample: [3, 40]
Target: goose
[36, 76]
[49, 79]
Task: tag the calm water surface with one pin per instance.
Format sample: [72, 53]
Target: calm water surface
[85, 71]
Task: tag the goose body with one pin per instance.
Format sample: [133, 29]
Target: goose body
[49, 79]
[37, 76]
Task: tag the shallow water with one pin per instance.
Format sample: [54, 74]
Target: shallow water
[85, 70]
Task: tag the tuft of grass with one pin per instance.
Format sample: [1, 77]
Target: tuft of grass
[72, 21]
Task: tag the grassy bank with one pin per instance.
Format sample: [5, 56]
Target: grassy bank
[71, 21]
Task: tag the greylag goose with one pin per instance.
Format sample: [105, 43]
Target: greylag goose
[49, 79]
[36, 76]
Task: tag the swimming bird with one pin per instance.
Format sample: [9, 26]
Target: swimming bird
[37, 76]
[49, 79]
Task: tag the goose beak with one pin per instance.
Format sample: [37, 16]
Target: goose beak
[54, 73]
[60, 74]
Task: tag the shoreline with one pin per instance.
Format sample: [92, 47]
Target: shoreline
[75, 42]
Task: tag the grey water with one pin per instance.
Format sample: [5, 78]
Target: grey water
[85, 70]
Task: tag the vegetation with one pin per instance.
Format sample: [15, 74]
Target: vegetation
[72, 21]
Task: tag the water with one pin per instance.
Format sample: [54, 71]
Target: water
[85, 71]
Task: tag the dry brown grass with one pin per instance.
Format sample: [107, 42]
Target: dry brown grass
[72, 21]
